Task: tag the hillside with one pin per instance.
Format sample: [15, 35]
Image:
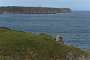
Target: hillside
[16, 45]
[33, 10]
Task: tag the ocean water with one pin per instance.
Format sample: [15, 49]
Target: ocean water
[74, 27]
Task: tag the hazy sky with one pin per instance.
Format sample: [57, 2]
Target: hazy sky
[73, 4]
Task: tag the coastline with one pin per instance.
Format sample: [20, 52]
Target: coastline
[41, 45]
[33, 10]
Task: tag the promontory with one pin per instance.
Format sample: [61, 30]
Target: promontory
[33, 10]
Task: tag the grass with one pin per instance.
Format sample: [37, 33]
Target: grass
[40, 47]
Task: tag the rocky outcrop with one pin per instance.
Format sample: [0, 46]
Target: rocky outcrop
[33, 10]
[59, 39]
[71, 56]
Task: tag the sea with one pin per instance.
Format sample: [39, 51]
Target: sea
[74, 26]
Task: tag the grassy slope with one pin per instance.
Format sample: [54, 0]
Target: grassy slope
[41, 47]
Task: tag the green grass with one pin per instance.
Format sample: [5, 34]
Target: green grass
[40, 47]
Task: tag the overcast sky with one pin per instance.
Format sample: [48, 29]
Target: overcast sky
[73, 4]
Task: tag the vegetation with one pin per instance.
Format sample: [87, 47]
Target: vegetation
[33, 10]
[35, 47]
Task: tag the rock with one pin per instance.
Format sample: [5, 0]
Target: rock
[59, 39]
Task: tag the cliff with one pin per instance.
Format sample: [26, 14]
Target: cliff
[33, 10]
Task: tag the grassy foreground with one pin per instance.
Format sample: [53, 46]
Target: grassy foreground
[35, 47]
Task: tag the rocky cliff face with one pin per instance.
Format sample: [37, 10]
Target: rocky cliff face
[33, 10]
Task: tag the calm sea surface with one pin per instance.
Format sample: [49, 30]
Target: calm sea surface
[74, 27]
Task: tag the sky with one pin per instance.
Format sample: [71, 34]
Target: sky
[73, 4]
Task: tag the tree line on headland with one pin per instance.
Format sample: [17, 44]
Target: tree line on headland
[33, 10]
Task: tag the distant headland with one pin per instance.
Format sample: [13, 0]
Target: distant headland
[33, 10]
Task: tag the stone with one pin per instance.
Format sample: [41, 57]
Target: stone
[59, 39]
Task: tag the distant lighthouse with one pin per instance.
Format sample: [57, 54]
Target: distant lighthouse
[59, 39]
